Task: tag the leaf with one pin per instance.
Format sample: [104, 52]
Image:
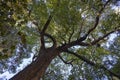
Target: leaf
[102, 51]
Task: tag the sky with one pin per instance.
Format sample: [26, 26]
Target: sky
[7, 75]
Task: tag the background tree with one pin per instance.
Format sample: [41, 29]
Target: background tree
[74, 30]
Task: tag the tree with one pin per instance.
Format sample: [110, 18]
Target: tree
[76, 28]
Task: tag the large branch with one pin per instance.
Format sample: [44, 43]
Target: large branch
[92, 63]
[78, 42]
[46, 24]
[81, 39]
[97, 18]
[43, 31]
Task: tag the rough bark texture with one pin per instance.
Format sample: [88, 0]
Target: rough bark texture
[37, 68]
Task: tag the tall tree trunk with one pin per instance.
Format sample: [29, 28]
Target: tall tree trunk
[37, 68]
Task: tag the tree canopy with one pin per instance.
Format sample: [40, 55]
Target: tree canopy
[77, 32]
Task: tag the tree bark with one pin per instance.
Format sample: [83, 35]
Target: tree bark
[37, 68]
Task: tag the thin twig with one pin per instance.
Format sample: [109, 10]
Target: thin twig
[69, 40]
[66, 62]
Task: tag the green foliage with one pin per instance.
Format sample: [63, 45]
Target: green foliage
[20, 20]
[115, 49]
[13, 17]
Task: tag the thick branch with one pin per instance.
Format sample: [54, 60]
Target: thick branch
[92, 63]
[49, 19]
[97, 18]
[96, 22]
[46, 24]
[43, 31]
[78, 42]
